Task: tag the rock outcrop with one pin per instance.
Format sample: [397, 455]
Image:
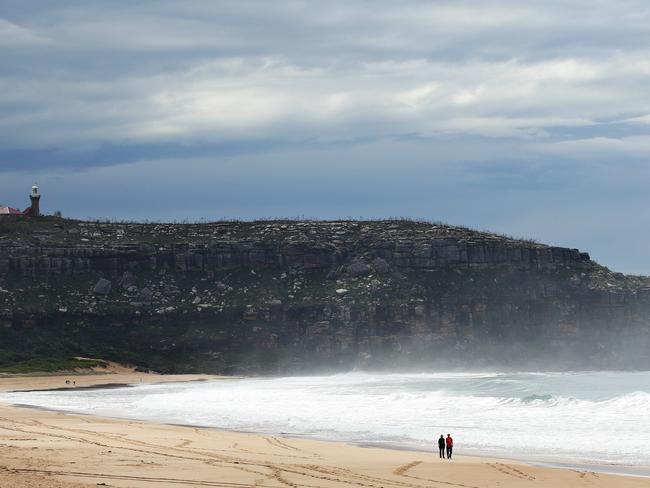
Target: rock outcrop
[272, 296]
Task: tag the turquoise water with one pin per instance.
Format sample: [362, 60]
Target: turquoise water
[581, 417]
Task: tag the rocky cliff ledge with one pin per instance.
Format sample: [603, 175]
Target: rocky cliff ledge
[292, 296]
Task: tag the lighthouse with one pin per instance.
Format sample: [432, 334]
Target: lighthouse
[35, 197]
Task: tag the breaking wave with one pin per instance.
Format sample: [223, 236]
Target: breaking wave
[587, 417]
[537, 398]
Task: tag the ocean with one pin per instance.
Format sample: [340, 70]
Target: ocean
[600, 418]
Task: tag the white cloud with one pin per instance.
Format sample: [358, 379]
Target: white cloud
[598, 148]
[644, 119]
[229, 71]
[13, 35]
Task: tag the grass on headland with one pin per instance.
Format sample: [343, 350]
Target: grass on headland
[50, 365]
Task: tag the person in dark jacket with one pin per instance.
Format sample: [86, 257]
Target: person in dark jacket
[441, 446]
[450, 445]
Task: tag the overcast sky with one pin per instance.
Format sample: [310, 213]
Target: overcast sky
[527, 118]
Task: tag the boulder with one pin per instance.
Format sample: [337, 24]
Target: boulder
[358, 268]
[380, 265]
[146, 295]
[102, 287]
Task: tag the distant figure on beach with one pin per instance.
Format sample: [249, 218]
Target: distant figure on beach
[450, 445]
[441, 446]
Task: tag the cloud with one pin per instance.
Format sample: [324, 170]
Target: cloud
[644, 119]
[599, 148]
[164, 72]
[14, 36]
[240, 98]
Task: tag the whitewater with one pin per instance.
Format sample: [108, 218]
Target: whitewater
[580, 417]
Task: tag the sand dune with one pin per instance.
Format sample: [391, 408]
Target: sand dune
[48, 449]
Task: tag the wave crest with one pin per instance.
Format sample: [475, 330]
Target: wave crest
[538, 398]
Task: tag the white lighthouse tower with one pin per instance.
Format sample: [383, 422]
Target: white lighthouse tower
[35, 197]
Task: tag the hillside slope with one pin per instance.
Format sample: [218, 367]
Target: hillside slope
[295, 296]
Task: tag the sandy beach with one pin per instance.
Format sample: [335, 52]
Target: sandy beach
[49, 449]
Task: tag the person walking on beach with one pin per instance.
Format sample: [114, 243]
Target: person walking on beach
[450, 445]
[441, 446]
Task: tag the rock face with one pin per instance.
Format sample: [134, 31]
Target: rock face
[271, 296]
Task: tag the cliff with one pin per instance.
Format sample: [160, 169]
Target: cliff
[295, 296]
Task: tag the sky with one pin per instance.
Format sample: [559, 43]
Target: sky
[525, 118]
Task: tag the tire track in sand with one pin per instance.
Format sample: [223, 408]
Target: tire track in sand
[402, 470]
[151, 479]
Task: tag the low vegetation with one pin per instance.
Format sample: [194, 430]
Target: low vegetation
[50, 365]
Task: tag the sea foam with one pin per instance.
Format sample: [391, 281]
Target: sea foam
[599, 417]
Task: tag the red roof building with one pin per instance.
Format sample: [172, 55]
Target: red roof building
[33, 210]
[4, 210]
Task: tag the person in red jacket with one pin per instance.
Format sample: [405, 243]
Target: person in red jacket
[450, 445]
